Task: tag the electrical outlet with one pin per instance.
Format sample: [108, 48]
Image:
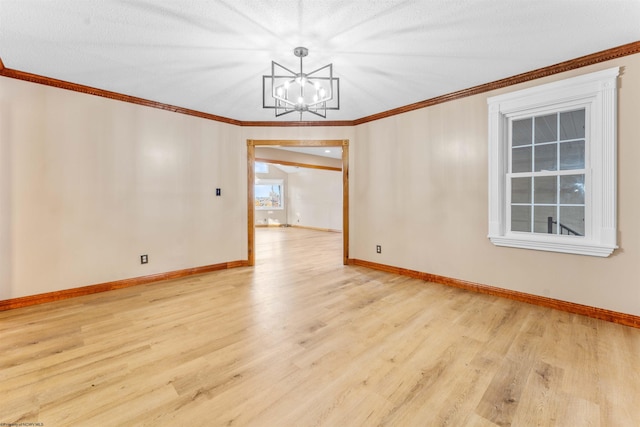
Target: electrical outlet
[378, 249]
[218, 192]
[144, 259]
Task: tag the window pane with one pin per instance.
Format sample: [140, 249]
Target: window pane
[572, 189]
[545, 189]
[572, 218]
[261, 167]
[268, 196]
[572, 155]
[546, 158]
[521, 218]
[521, 160]
[521, 190]
[521, 132]
[541, 215]
[546, 128]
[572, 125]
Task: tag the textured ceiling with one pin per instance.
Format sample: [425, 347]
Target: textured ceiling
[209, 56]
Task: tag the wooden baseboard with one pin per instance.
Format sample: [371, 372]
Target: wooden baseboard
[331, 230]
[570, 307]
[118, 284]
[593, 312]
[316, 228]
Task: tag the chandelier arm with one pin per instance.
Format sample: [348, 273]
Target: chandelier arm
[324, 116]
[274, 63]
[330, 66]
[286, 112]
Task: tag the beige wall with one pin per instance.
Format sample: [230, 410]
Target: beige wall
[298, 133]
[88, 184]
[420, 191]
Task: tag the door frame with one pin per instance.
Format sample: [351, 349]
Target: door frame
[251, 158]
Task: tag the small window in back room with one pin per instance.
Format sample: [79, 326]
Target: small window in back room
[261, 167]
[268, 194]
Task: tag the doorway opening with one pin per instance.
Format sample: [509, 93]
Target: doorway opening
[251, 159]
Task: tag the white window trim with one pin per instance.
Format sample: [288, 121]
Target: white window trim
[598, 93]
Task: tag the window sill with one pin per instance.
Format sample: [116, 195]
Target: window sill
[570, 245]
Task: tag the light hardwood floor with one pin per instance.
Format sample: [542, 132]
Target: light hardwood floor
[301, 340]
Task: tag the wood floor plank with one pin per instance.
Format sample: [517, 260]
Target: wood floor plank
[302, 340]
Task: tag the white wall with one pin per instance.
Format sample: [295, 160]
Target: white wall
[89, 184]
[315, 198]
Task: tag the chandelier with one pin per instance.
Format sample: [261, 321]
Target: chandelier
[290, 91]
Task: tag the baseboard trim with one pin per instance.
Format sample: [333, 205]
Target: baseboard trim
[570, 307]
[118, 284]
[331, 230]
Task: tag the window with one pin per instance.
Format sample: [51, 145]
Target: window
[261, 167]
[547, 173]
[552, 166]
[269, 194]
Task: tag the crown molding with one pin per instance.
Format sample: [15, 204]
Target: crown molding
[61, 84]
[583, 61]
[330, 123]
